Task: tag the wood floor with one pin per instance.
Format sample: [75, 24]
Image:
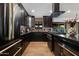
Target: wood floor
[37, 49]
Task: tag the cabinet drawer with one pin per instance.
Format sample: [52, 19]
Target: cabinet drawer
[18, 52]
[12, 50]
[66, 53]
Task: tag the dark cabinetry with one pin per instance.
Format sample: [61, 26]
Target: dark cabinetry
[24, 45]
[47, 21]
[62, 50]
[30, 21]
[57, 49]
[50, 41]
[62, 46]
[25, 40]
[67, 52]
[14, 49]
[38, 36]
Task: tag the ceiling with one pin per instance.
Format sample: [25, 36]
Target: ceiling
[38, 9]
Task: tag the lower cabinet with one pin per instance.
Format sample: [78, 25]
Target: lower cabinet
[14, 49]
[24, 45]
[50, 45]
[61, 50]
[17, 48]
[25, 41]
[66, 52]
[57, 49]
[49, 37]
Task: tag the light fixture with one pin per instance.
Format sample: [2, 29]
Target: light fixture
[50, 11]
[40, 26]
[33, 11]
[36, 26]
[68, 11]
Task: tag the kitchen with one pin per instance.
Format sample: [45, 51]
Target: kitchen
[28, 28]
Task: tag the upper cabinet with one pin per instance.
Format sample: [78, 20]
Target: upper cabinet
[39, 23]
[30, 21]
[47, 21]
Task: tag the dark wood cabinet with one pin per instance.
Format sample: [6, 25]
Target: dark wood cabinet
[24, 44]
[66, 52]
[14, 49]
[50, 41]
[25, 41]
[57, 49]
[47, 21]
[60, 50]
[38, 36]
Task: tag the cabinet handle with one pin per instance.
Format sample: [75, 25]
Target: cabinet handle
[5, 53]
[10, 46]
[67, 50]
[17, 51]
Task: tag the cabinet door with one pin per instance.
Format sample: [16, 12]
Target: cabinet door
[47, 21]
[57, 49]
[66, 53]
[14, 49]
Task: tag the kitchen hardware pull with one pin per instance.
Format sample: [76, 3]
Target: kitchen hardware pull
[10, 46]
[4, 53]
[17, 51]
[67, 50]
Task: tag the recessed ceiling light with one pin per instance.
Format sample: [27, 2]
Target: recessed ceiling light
[68, 11]
[33, 11]
[50, 11]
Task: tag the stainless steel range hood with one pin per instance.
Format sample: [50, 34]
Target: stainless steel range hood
[56, 14]
[57, 11]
